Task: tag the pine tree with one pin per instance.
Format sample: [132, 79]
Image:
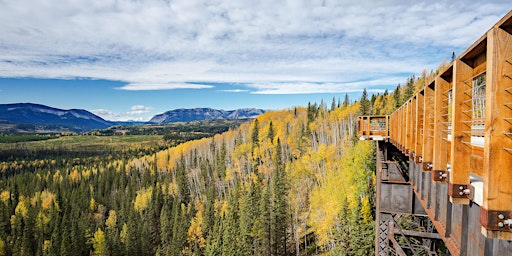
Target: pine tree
[409, 89]
[364, 107]
[271, 133]
[248, 210]
[255, 134]
[230, 224]
[280, 204]
[262, 225]
[397, 97]
[346, 101]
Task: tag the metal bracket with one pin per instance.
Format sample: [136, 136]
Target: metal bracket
[460, 191]
[427, 166]
[439, 175]
[418, 159]
[496, 220]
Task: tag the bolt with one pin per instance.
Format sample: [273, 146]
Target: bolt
[501, 216]
[461, 188]
[461, 193]
[501, 224]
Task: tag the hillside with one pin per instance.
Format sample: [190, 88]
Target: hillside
[194, 114]
[29, 117]
[288, 182]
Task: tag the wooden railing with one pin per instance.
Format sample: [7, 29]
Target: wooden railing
[373, 127]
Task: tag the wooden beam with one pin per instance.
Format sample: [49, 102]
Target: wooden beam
[440, 118]
[428, 128]
[461, 132]
[409, 132]
[497, 163]
[420, 132]
[413, 132]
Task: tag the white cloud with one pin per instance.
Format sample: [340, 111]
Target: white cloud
[309, 88]
[172, 86]
[234, 90]
[139, 110]
[163, 45]
[136, 113]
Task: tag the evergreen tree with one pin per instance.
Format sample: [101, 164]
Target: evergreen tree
[230, 230]
[280, 204]
[409, 89]
[255, 134]
[364, 104]
[372, 103]
[271, 133]
[248, 210]
[262, 226]
[346, 102]
[397, 97]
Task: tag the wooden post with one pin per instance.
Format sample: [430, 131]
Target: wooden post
[409, 125]
[440, 118]
[402, 126]
[497, 162]
[414, 131]
[420, 132]
[461, 133]
[428, 128]
[387, 126]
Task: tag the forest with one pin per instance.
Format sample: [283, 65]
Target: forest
[290, 182]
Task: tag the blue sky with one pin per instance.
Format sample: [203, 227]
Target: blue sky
[130, 60]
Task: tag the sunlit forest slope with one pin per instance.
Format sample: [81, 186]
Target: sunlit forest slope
[291, 182]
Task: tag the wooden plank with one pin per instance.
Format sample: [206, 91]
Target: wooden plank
[497, 162]
[428, 125]
[461, 130]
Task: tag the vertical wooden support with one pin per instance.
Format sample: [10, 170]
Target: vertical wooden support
[412, 138]
[428, 128]
[498, 142]
[420, 132]
[403, 127]
[387, 126]
[440, 118]
[368, 127]
[409, 123]
[461, 133]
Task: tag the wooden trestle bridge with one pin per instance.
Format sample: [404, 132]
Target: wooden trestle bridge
[444, 158]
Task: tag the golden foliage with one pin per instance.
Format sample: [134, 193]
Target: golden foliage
[142, 199]
[5, 196]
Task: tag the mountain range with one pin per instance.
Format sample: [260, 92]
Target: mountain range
[194, 114]
[30, 117]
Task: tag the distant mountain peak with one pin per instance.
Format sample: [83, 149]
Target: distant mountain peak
[194, 114]
[37, 114]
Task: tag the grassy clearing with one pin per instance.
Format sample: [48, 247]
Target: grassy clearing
[88, 141]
